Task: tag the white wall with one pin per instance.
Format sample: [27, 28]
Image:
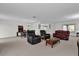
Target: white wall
[58, 26]
[34, 26]
[7, 30]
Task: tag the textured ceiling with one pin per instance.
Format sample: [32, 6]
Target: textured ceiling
[44, 12]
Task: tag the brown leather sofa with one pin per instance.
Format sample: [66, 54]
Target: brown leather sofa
[63, 35]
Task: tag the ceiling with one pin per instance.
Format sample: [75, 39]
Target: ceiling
[44, 12]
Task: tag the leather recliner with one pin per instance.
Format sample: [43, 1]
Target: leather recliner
[32, 38]
[44, 35]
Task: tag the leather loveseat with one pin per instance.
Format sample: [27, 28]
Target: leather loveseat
[63, 35]
[44, 35]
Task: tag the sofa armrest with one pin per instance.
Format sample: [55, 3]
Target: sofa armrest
[54, 34]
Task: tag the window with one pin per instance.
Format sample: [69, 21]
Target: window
[65, 27]
[69, 27]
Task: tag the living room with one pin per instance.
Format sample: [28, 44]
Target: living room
[49, 17]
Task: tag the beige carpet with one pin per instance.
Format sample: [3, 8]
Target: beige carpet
[16, 46]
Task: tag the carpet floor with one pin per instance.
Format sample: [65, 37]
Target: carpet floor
[17, 46]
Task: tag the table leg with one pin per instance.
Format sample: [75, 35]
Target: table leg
[17, 33]
[46, 43]
[52, 45]
[59, 41]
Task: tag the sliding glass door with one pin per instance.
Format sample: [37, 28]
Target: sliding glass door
[69, 27]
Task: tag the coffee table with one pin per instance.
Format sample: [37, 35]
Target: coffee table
[52, 41]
